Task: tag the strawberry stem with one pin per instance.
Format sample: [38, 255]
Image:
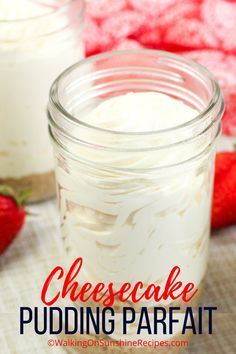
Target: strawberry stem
[20, 198]
[7, 191]
[23, 197]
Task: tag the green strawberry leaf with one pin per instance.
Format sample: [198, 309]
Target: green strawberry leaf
[7, 191]
[20, 198]
[23, 197]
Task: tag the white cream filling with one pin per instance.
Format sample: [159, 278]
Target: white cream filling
[129, 227]
[23, 9]
[140, 112]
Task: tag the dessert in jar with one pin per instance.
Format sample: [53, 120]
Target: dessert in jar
[134, 137]
[38, 39]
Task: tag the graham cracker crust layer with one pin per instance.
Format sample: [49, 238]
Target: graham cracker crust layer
[41, 186]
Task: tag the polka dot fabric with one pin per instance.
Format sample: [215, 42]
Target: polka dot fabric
[204, 30]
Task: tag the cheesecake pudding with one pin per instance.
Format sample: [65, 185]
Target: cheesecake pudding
[135, 155]
[118, 223]
[38, 39]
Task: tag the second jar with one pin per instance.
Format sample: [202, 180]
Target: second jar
[38, 39]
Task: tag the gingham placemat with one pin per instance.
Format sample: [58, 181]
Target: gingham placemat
[37, 250]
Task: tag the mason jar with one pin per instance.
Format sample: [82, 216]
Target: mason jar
[135, 204]
[38, 39]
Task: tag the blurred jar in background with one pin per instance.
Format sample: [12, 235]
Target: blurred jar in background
[38, 39]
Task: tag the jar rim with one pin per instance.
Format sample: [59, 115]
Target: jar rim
[55, 100]
[43, 16]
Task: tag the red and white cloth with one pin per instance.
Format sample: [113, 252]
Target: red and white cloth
[204, 30]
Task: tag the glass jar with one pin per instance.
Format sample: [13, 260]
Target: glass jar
[135, 204]
[38, 39]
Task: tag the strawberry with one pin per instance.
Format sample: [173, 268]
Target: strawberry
[12, 215]
[224, 196]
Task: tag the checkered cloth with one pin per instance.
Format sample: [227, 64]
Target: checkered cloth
[38, 249]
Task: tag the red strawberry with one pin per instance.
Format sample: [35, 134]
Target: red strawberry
[224, 196]
[12, 215]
